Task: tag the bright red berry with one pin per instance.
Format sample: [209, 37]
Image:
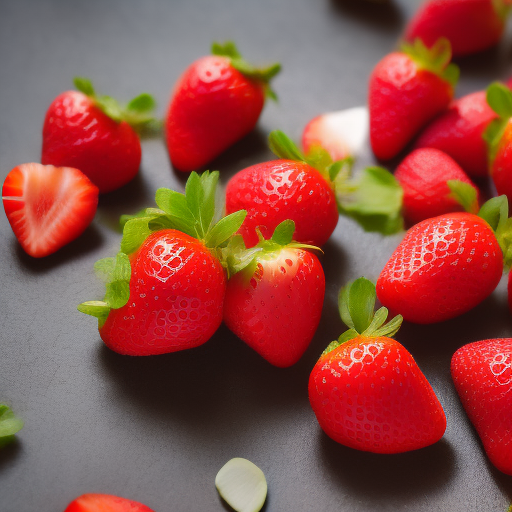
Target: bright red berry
[470, 25]
[274, 300]
[216, 102]
[94, 134]
[427, 177]
[482, 374]
[105, 503]
[407, 89]
[48, 207]
[366, 390]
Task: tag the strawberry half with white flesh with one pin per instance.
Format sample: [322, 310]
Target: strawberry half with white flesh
[48, 206]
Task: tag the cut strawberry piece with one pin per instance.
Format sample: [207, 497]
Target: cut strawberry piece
[105, 503]
[48, 206]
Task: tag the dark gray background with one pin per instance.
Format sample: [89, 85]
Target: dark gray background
[158, 429]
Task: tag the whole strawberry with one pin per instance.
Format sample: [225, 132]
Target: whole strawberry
[470, 25]
[447, 265]
[216, 102]
[48, 207]
[482, 374]
[407, 89]
[105, 503]
[366, 390]
[168, 294]
[275, 296]
[95, 134]
[434, 184]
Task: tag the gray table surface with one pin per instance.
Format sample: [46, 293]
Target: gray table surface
[158, 429]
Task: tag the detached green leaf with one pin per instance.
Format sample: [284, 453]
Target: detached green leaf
[283, 147]
[356, 302]
[9, 422]
[283, 234]
[465, 194]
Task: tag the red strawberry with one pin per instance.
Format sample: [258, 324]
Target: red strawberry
[274, 300]
[278, 190]
[447, 265]
[407, 89]
[458, 132]
[434, 184]
[105, 503]
[48, 206]
[216, 102]
[366, 390]
[168, 294]
[482, 374]
[470, 25]
[94, 134]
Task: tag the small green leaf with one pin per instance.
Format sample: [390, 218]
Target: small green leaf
[465, 194]
[499, 98]
[335, 168]
[117, 294]
[495, 212]
[283, 234]
[378, 319]
[283, 147]
[391, 328]
[84, 85]
[135, 231]
[228, 49]
[9, 422]
[356, 302]
[142, 103]
[97, 308]
[209, 182]
[225, 228]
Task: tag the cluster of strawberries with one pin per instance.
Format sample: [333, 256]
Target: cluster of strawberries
[183, 267]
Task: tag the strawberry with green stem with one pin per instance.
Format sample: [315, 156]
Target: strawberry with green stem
[165, 289]
[366, 390]
[96, 134]
[275, 295]
[216, 102]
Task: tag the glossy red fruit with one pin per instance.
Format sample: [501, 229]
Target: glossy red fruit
[177, 289]
[274, 191]
[423, 175]
[77, 133]
[482, 374]
[458, 132]
[470, 25]
[48, 207]
[275, 304]
[406, 91]
[443, 267]
[215, 103]
[501, 167]
[105, 503]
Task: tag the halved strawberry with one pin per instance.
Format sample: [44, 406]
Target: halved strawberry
[48, 206]
[105, 503]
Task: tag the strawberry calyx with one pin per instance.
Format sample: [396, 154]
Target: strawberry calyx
[9, 424]
[502, 8]
[138, 112]
[465, 194]
[499, 98]
[262, 75]
[356, 304]
[435, 59]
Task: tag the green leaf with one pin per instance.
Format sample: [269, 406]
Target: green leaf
[84, 85]
[465, 194]
[283, 147]
[225, 228]
[9, 422]
[348, 335]
[135, 231]
[228, 49]
[96, 308]
[499, 98]
[283, 234]
[391, 328]
[337, 167]
[495, 212]
[378, 319]
[142, 103]
[209, 182]
[356, 302]
[176, 206]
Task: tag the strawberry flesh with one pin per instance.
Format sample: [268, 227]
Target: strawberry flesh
[105, 503]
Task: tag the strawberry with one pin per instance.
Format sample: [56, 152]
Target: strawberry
[482, 374]
[94, 134]
[216, 102]
[407, 89]
[48, 206]
[366, 390]
[105, 503]
[458, 132]
[447, 265]
[165, 290]
[434, 184]
[275, 296]
[499, 138]
[470, 25]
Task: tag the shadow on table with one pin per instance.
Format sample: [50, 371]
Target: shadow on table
[10, 448]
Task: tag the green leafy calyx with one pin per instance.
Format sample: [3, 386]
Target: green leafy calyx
[262, 75]
[356, 304]
[435, 59]
[465, 194]
[9, 424]
[499, 98]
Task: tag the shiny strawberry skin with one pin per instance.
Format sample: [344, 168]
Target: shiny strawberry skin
[482, 374]
[213, 105]
[369, 394]
[443, 267]
[458, 132]
[105, 503]
[470, 25]
[402, 99]
[78, 134]
[501, 168]
[275, 305]
[274, 191]
[48, 207]
[177, 289]
[423, 175]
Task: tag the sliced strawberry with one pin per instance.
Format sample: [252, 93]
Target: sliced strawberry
[48, 206]
[105, 503]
